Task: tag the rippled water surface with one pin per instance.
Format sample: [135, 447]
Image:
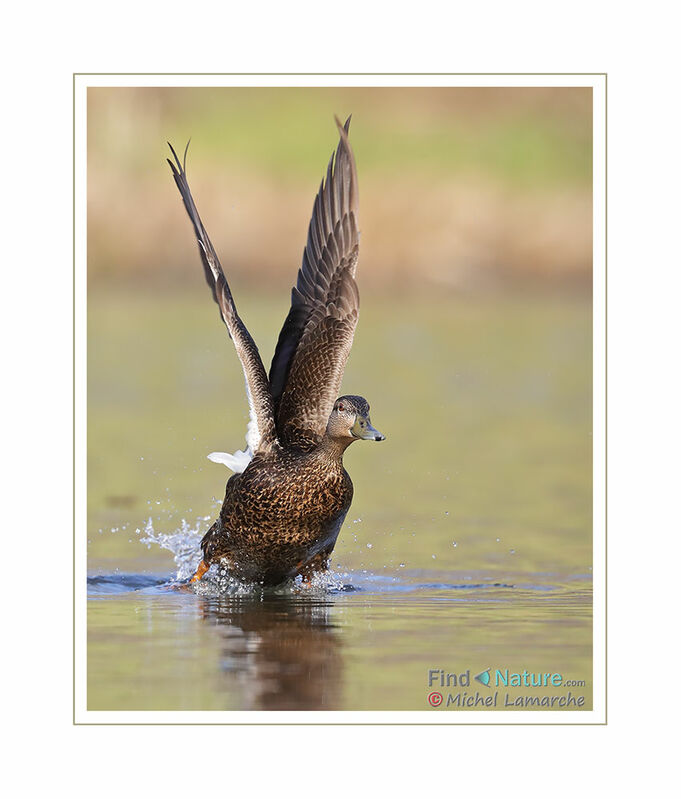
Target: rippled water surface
[468, 545]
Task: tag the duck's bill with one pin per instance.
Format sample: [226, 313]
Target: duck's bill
[362, 428]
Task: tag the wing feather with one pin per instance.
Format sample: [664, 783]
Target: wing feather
[261, 434]
[315, 340]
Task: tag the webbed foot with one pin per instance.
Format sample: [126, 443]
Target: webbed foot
[201, 570]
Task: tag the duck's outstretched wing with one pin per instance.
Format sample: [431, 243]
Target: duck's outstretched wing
[261, 429]
[315, 340]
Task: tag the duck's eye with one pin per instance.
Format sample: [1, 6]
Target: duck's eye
[340, 406]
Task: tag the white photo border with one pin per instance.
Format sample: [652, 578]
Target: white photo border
[598, 83]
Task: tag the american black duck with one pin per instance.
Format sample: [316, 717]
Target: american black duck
[284, 507]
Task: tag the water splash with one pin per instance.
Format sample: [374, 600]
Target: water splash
[218, 582]
[184, 544]
[324, 583]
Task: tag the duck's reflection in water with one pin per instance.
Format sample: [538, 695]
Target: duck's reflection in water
[284, 653]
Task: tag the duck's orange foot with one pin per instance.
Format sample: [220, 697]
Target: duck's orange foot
[198, 574]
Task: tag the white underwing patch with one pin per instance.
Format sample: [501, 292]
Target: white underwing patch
[237, 462]
[252, 432]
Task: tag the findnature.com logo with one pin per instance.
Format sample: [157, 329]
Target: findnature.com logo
[492, 678]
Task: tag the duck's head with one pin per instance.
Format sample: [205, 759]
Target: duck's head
[350, 420]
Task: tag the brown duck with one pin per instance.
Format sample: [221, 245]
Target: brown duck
[284, 507]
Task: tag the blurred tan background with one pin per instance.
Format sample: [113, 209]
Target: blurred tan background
[460, 188]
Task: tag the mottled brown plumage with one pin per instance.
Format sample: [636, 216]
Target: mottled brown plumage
[281, 516]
